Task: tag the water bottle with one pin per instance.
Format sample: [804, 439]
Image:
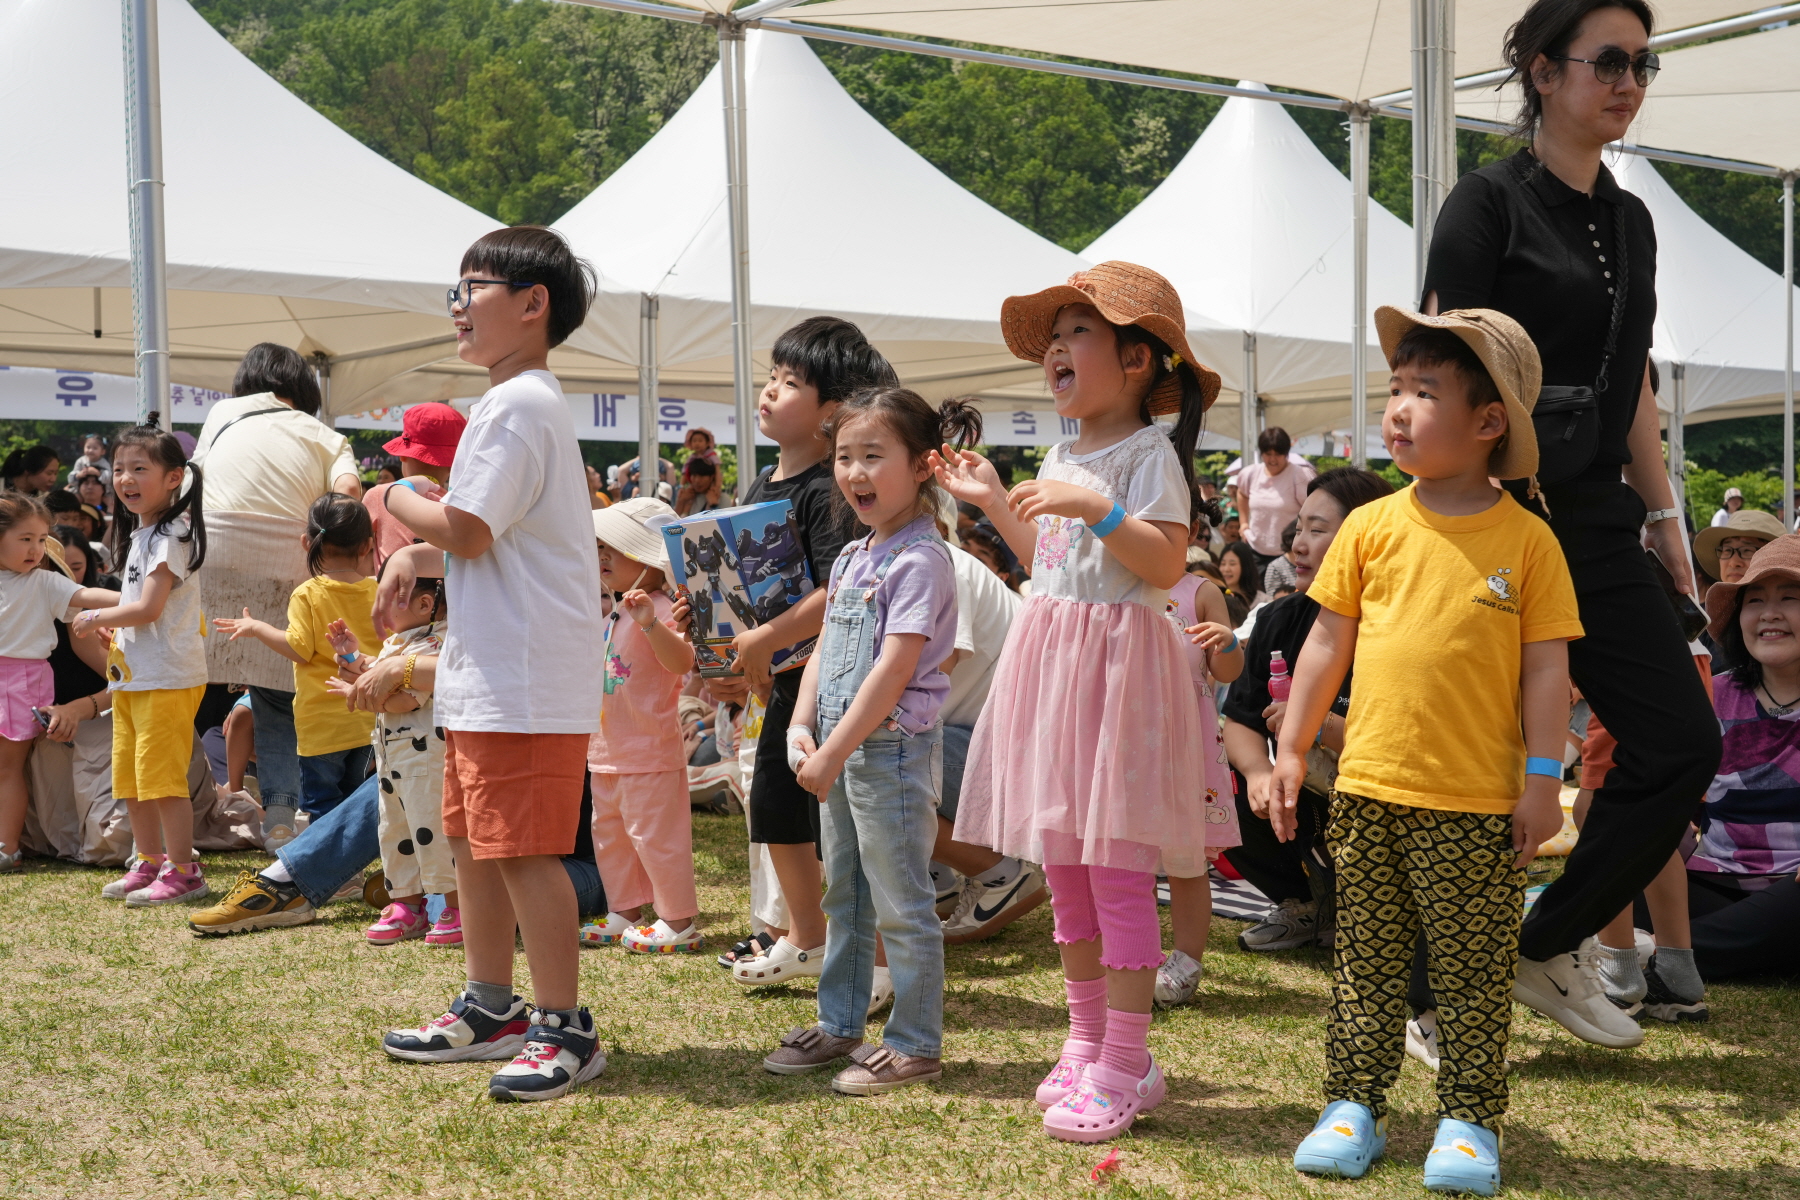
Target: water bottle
[1279, 682]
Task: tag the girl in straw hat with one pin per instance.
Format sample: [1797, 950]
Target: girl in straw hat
[1087, 755]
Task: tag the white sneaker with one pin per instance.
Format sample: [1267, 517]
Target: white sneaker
[882, 994]
[1567, 990]
[1422, 1039]
[1290, 924]
[1177, 979]
[987, 908]
[948, 884]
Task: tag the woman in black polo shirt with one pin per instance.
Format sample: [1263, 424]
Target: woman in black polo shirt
[1549, 238]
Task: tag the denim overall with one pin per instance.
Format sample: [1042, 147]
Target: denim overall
[879, 825]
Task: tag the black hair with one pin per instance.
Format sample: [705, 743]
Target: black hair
[1248, 582]
[279, 370]
[1284, 588]
[531, 254]
[1287, 534]
[1547, 28]
[73, 539]
[1351, 487]
[61, 500]
[1199, 507]
[391, 465]
[1430, 347]
[1274, 438]
[440, 603]
[831, 355]
[27, 461]
[985, 537]
[919, 427]
[163, 450]
[337, 522]
[1185, 434]
[701, 466]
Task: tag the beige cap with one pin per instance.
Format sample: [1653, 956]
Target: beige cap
[1511, 359]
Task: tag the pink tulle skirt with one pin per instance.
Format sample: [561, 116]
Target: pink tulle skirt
[1090, 750]
[1216, 795]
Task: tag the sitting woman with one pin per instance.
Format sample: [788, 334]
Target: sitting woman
[1743, 895]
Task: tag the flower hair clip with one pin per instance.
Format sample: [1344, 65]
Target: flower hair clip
[1171, 361]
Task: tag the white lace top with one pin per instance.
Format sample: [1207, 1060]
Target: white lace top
[1143, 473]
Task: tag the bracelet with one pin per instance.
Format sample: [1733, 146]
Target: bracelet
[408, 484]
[1231, 649]
[1544, 766]
[95, 701]
[1110, 522]
[412, 660]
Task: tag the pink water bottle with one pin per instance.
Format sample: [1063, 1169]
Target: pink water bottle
[1279, 682]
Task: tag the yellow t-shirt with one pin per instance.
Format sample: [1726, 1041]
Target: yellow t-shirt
[1443, 606]
[322, 725]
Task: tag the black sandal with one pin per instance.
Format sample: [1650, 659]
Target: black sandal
[754, 946]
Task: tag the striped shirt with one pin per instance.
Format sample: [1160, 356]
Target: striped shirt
[1750, 823]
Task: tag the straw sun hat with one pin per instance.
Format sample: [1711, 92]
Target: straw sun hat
[1779, 557]
[634, 528]
[1510, 357]
[1125, 294]
[1744, 523]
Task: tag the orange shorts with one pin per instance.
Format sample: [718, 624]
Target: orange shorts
[514, 795]
[1597, 747]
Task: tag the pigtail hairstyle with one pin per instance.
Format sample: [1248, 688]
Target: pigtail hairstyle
[162, 449]
[338, 522]
[1192, 415]
[914, 423]
[1210, 509]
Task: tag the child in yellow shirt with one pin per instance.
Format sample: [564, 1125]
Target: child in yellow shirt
[1455, 605]
[334, 744]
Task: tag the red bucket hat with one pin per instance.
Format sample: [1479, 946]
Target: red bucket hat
[429, 433]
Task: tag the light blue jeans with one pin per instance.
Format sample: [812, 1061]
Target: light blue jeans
[880, 824]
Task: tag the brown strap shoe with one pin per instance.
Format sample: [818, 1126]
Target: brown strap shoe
[878, 1069]
[805, 1050]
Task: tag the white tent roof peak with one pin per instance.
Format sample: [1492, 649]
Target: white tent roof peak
[844, 218]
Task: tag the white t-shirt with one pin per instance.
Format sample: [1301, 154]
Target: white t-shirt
[274, 463]
[30, 606]
[1274, 501]
[169, 653]
[1721, 517]
[985, 608]
[1140, 472]
[522, 654]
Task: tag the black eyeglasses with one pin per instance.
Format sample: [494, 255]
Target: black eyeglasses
[1744, 552]
[1612, 64]
[458, 296]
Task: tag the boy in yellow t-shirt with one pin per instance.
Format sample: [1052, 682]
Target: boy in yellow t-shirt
[1455, 606]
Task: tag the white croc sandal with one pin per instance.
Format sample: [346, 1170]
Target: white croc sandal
[784, 961]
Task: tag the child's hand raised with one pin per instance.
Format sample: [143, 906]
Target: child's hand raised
[967, 476]
[341, 639]
[237, 627]
[639, 607]
[1052, 498]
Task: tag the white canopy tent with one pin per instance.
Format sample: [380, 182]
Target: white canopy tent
[847, 220]
[1254, 228]
[281, 227]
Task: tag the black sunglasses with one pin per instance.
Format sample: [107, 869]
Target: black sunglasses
[1612, 64]
[459, 295]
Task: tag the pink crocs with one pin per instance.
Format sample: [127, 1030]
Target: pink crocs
[1065, 1076]
[1104, 1104]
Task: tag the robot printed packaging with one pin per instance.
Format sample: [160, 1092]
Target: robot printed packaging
[739, 568]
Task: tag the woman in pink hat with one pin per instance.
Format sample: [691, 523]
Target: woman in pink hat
[426, 447]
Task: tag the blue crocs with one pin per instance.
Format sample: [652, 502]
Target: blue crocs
[1463, 1158]
[1344, 1142]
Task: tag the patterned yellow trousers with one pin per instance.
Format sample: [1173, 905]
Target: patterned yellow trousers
[1400, 867]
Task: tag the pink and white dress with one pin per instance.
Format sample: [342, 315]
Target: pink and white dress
[1090, 745]
[1216, 789]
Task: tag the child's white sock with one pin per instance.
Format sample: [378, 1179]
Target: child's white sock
[277, 872]
[1000, 872]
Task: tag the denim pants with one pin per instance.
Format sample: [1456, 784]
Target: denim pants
[334, 849]
[277, 763]
[325, 779]
[880, 822]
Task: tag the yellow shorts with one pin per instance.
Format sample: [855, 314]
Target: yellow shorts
[153, 739]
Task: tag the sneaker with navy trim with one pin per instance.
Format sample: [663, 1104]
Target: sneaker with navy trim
[467, 1033]
[1463, 1158]
[556, 1057]
[1346, 1140]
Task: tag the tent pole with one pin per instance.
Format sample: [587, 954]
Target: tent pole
[1248, 423]
[149, 256]
[737, 187]
[1787, 391]
[1434, 120]
[1359, 286]
[648, 307]
[1678, 433]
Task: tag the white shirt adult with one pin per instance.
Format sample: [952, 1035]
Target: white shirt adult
[276, 460]
[1273, 498]
[522, 654]
[985, 608]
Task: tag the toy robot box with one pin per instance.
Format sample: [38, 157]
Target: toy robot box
[739, 568]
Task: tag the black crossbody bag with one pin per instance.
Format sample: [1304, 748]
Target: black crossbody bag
[1567, 419]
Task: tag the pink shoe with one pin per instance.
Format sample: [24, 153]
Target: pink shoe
[448, 930]
[1104, 1104]
[398, 923]
[173, 885]
[1065, 1076]
[141, 874]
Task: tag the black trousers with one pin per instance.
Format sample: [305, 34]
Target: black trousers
[1634, 667]
[1283, 870]
[1739, 933]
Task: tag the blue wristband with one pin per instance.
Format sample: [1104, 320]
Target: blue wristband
[1231, 648]
[1110, 522]
[1544, 766]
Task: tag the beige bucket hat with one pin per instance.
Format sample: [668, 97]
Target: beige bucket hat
[1744, 523]
[1509, 355]
[634, 528]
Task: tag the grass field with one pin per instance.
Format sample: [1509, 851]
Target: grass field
[139, 1061]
